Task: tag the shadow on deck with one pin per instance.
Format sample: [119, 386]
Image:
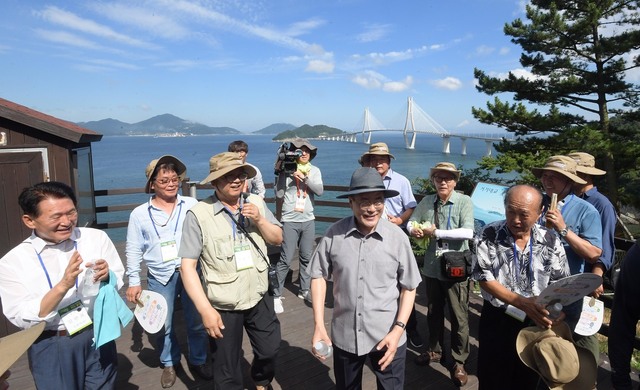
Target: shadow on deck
[139, 366]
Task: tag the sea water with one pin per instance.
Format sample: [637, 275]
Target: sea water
[120, 161]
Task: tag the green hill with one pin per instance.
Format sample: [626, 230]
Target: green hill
[308, 131]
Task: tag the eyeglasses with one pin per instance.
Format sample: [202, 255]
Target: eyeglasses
[70, 215]
[443, 178]
[164, 182]
[231, 177]
[366, 204]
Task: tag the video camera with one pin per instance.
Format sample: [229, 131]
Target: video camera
[286, 159]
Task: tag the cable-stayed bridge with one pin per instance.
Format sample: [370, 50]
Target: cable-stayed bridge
[417, 122]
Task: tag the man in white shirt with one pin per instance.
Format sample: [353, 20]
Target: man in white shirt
[39, 281]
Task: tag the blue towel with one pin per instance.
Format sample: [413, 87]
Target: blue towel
[109, 311]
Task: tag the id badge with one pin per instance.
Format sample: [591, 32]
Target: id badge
[169, 250]
[242, 254]
[75, 317]
[300, 203]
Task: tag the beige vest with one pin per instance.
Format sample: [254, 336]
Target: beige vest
[226, 287]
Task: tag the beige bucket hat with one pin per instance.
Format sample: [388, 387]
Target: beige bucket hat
[586, 164]
[223, 163]
[14, 345]
[445, 167]
[377, 149]
[150, 171]
[552, 354]
[562, 164]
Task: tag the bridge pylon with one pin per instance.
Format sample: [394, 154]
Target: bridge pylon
[409, 126]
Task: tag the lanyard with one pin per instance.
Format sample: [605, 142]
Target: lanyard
[517, 263]
[175, 229]
[304, 194]
[46, 273]
[241, 219]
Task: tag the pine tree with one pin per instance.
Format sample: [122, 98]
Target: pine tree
[578, 54]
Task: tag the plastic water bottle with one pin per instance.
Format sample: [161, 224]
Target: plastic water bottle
[554, 311]
[89, 287]
[323, 349]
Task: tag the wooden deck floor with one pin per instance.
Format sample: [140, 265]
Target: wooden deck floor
[139, 367]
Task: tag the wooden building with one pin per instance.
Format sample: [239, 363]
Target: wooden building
[35, 147]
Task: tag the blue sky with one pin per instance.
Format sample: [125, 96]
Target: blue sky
[250, 63]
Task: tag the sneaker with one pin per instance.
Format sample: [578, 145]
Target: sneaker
[414, 339]
[305, 294]
[277, 305]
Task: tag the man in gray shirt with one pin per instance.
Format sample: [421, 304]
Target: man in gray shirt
[374, 278]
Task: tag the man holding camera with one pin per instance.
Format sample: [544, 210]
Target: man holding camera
[296, 189]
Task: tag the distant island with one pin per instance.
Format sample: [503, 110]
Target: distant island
[308, 131]
[167, 125]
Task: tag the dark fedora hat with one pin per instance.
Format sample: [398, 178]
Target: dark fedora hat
[366, 180]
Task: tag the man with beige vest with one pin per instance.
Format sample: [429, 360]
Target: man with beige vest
[226, 234]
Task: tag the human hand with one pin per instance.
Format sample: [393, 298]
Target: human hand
[535, 311]
[320, 334]
[390, 343]
[133, 293]
[554, 218]
[100, 270]
[71, 272]
[598, 291]
[251, 211]
[213, 324]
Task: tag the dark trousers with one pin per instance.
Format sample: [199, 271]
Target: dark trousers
[263, 328]
[499, 367]
[624, 317]
[456, 296]
[71, 363]
[348, 369]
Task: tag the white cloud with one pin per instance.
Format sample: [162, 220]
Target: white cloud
[504, 51]
[219, 20]
[398, 86]
[302, 28]
[374, 80]
[369, 79]
[71, 21]
[484, 50]
[388, 57]
[155, 22]
[66, 38]
[373, 32]
[464, 123]
[319, 66]
[450, 83]
[113, 64]
[4, 49]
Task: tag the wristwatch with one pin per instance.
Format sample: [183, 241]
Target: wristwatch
[400, 324]
[563, 232]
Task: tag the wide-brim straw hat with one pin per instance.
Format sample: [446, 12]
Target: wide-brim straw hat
[377, 149]
[14, 345]
[181, 169]
[445, 167]
[300, 142]
[586, 163]
[366, 180]
[553, 354]
[564, 165]
[223, 163]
